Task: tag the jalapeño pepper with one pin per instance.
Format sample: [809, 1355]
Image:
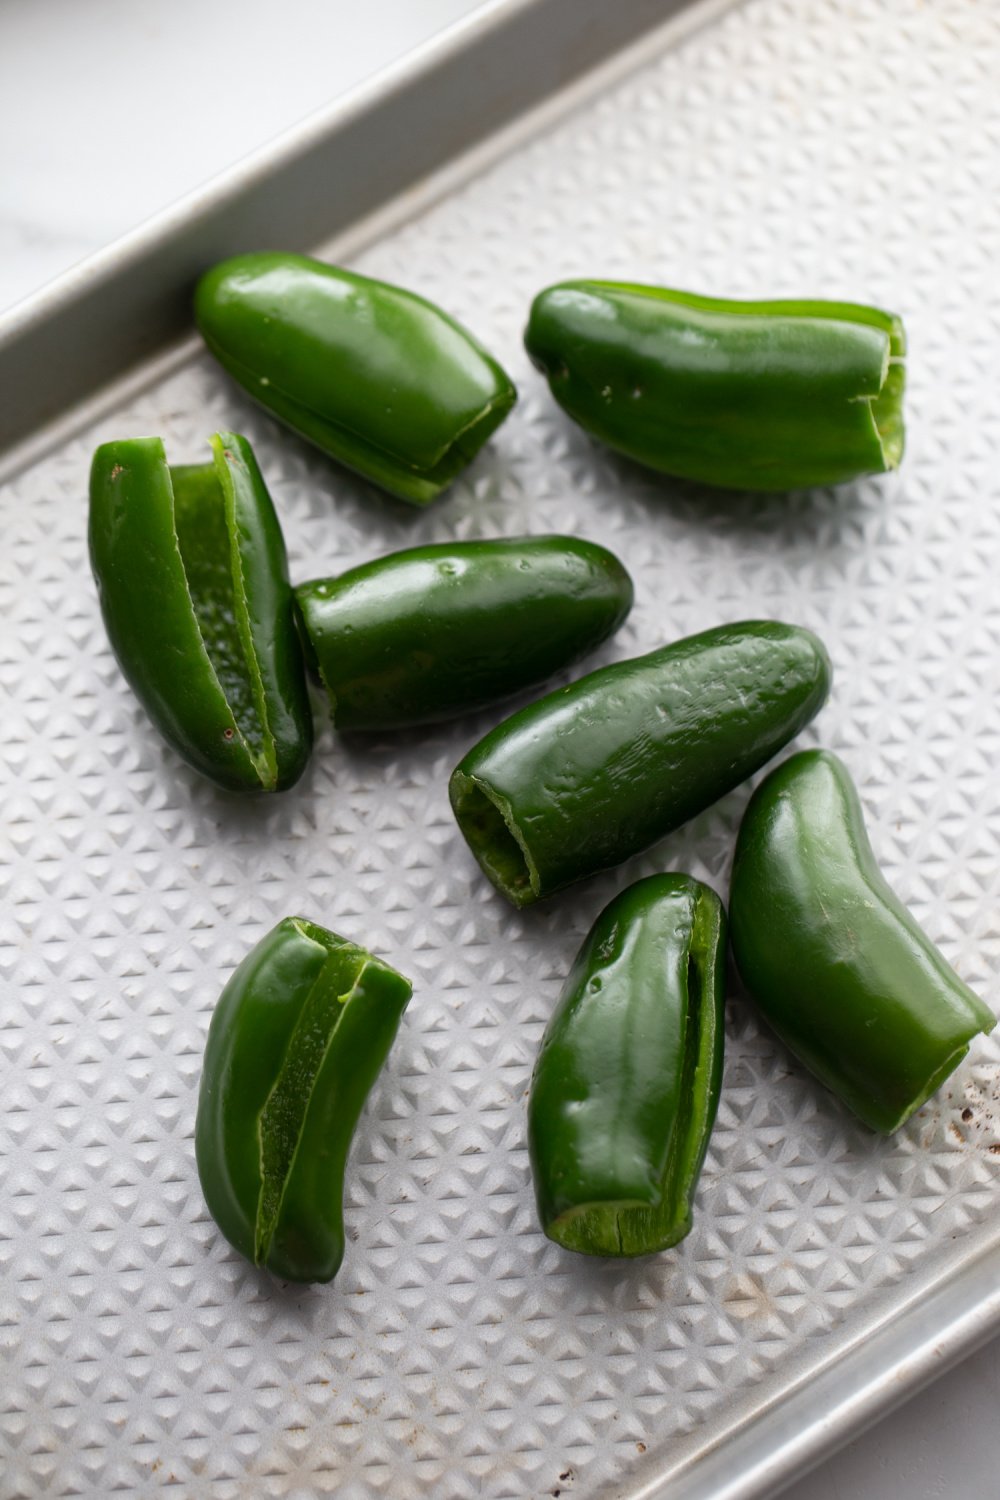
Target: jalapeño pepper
[746, 395]
[595, 772]
[296, 1041]
[832, 957]
[375, 376]
[626, 1086]
[435, 631]
[193, 581]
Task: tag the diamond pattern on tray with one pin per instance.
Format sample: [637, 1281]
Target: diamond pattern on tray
[834, 150]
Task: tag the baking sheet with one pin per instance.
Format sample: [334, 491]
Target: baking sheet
[827, 149]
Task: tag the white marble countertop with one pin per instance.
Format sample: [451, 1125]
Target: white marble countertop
[110, 111]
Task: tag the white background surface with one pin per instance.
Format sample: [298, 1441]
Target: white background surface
[110, 111]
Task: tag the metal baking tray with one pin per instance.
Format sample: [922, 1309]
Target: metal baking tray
[759, 149]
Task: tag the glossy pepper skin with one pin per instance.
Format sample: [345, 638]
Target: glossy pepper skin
[192, 576]
[436, 631]
[595, 772]
[744, 395]
[298, 1037]
[626, 1086]
[832, 957]
[375, 376]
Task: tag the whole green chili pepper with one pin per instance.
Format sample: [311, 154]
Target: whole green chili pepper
[193, 581]
[435, 631]
[597, 771]
[296, 1041]
[746, 395]
[374, 375]
[626, 1086]
[835, 962]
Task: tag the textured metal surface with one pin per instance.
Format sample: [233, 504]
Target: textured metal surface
[826, 149]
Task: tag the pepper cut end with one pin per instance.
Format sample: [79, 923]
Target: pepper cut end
[487, 823]
[616, 1229]
[878, 1122]
[986, 1021]
[887, 406]
[420, 486]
